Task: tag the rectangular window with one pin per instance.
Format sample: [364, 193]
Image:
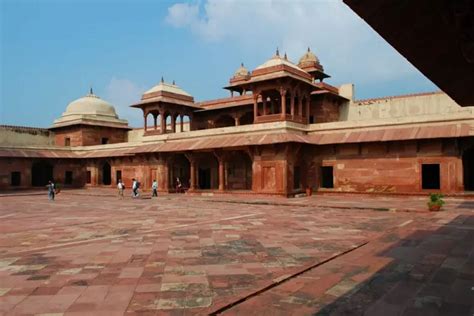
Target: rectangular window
[68, 177]
[430, 176]
[16, 178]
[105, 140]
[327, 177]
[118, 175]
[88, 177]
[67, 141]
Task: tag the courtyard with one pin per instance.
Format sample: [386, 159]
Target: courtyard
[90, 253]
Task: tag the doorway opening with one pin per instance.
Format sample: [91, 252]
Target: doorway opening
[327, 177]
[41, 173]
[468, 167]
[106, 174]
[430, 178]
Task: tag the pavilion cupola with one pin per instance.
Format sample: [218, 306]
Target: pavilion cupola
[165, 102]
[310, 63]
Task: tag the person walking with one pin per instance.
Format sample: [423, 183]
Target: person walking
[134, 188]
[51, 189]
[120, 187]
[179, 185]
[154, 187]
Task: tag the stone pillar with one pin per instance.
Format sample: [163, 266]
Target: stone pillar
[237, 120]
[154, 121]
[221, 174]
[182, 123]
[264, 102]
[255, 108]
[144, 118]
[292, 104]
[192, 175]
[307, 109]
[163, 122]
[300, 106]
[173, 123]
[283, 103]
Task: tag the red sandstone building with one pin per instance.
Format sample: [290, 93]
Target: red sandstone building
[282, 130]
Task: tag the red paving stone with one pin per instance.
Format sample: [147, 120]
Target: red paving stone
[183, 255]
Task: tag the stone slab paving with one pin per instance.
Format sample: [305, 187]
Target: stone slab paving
[183, 255]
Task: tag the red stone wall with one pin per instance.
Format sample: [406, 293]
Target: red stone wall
[24, 166]
[387, 167]
[270, 170]
[324, 109]
[89, 135]
[9, 165]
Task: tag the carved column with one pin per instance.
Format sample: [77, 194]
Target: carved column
[144, 118]
[173, 123]
[163, 122]
[300, 106]
[308, 100]
[192, 171]
[292, 103]
[255, 108]
[155, 117]
[221, 159]
[182, 123]
[264, 102]
[283, 103]
[192, 180]
[237, 120]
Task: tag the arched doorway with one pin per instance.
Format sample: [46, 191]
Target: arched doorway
[106, 174]
[468, 167]
[179, 167]
[239, 172]
[41, 173]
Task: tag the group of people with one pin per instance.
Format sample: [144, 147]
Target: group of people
[53, 190]
[136, 186]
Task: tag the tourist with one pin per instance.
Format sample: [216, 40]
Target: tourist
[154, 187]
[179, 186]
[134, 188]
[120, 187]
[51, 189]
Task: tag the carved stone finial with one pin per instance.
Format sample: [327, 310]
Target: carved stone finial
[90, 91]
[286, 57]
[278, 52]
[174, 83]
[309, 49]
[241, 64]
[162, 80]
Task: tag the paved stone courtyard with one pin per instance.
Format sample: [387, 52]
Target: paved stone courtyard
[89, 253]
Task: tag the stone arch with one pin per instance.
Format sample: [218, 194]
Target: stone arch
[179, 167]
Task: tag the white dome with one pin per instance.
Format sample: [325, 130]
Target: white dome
[88, 109]
[90, 105]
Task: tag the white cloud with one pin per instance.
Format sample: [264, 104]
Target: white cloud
[122, 93]
[347, 47]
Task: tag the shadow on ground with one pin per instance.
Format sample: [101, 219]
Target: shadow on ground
[431, 273]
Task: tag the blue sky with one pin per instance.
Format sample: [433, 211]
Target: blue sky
[52, 51]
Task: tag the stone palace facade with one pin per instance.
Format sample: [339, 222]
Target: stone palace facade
[281, 131]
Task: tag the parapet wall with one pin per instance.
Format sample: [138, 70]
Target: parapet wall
[427, 104]
[20, 135]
